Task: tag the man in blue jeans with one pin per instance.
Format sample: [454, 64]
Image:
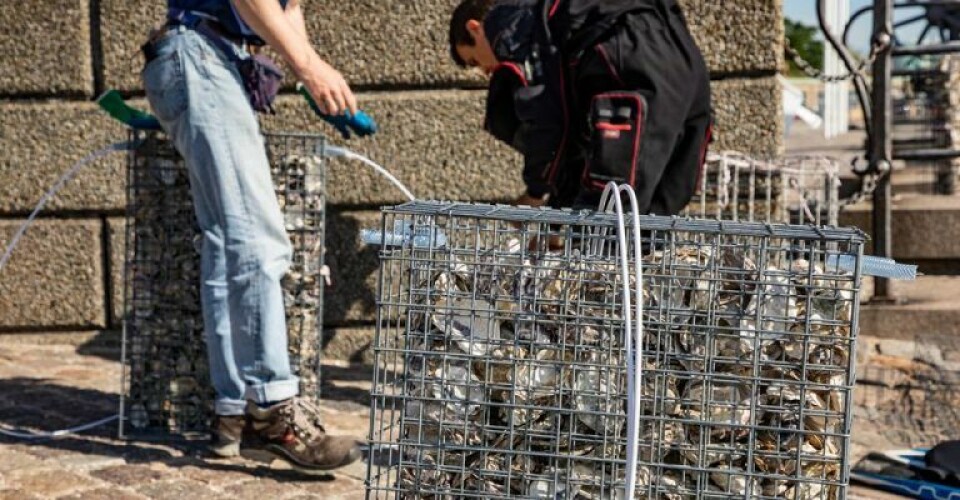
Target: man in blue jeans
[196, 91]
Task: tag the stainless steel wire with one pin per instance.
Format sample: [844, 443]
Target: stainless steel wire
[166, 379]
[501, 365]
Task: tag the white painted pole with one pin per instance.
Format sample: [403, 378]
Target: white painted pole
[836, 105]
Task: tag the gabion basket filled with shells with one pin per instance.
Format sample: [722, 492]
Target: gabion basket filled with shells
[793, 189]
[166, 374]
[501, 369]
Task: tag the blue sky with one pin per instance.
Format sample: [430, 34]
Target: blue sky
[805, 11]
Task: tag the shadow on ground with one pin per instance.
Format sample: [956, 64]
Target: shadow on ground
[38, 405]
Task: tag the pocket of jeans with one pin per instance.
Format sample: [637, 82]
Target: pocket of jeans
[166, 86]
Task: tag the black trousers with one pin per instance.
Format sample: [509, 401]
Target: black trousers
[651, 53]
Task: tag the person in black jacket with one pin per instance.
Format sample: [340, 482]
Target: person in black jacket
[592, 91]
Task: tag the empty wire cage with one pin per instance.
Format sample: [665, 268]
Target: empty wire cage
[792, 189]
[501, 371]
[166, 375]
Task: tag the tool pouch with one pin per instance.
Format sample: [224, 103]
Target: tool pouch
[262, 80]
[617, 122]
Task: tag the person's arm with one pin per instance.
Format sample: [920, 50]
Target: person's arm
[295, 16]
[270, 22]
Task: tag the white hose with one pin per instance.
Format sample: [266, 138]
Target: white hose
[57, 186]
[335, 151]
[611, 199]
[60, 433]
[96, 155]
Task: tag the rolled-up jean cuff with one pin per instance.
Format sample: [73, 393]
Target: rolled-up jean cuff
[272, 392]
[229, 407]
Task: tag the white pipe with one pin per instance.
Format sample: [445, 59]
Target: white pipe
[57, 186]
[633, 340]
[335, 151]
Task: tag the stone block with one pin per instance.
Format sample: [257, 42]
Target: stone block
[749, 116]
[921, 227]
[378, 44]
[46, 48]
[116, 232]
[354, 269]
[40, 141]
[349, 345]
[55, 277]
[743, 36]
[432, 141]
[124, 26]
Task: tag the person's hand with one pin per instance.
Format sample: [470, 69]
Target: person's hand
[531, 201]
[328, 88]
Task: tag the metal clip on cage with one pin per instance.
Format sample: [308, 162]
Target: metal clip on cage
[166, 375]
[792, 189]
[500, 367]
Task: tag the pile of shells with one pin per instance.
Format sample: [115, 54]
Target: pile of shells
[514, 381]
[168, 373]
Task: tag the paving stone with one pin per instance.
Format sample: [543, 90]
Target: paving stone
[331, 489]
[129, 475]
[46, 483]
[54, 276]
[105, 494]
[17, 494]
[11, 460]
[179, 490]
[261, 488]
[88, 462]
[46, 48]
[216, 477]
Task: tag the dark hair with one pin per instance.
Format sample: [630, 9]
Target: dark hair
[466, 11]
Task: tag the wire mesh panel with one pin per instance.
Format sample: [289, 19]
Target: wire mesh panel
[793, 189]
[501, 367]
[166, 375]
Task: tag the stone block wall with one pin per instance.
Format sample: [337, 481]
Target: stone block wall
[63, 53]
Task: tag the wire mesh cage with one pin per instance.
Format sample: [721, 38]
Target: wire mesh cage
[500, 365]
[792, 189]
[166, 375]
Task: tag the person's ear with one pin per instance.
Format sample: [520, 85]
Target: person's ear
[475, 28]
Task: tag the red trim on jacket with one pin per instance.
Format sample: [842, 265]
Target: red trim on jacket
[515, 68]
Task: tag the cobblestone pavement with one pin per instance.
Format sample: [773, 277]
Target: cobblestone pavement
[52, 387]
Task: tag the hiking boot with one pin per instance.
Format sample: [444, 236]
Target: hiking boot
[226, 435]
[291, 431]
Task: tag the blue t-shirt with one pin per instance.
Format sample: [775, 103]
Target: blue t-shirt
[224, 13]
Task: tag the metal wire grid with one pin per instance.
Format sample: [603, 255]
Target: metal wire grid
[793, 189]
[166, 374]
[500, 367]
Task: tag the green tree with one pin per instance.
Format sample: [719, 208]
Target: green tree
[807, 42]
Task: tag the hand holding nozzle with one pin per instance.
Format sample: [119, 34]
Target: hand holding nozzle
[358, 123]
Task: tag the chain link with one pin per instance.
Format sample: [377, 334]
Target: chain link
[812, 72]
[867, 188]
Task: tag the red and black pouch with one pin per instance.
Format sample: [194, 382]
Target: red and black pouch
[617, 122]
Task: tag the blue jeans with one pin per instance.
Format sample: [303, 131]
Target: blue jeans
[196, 93]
